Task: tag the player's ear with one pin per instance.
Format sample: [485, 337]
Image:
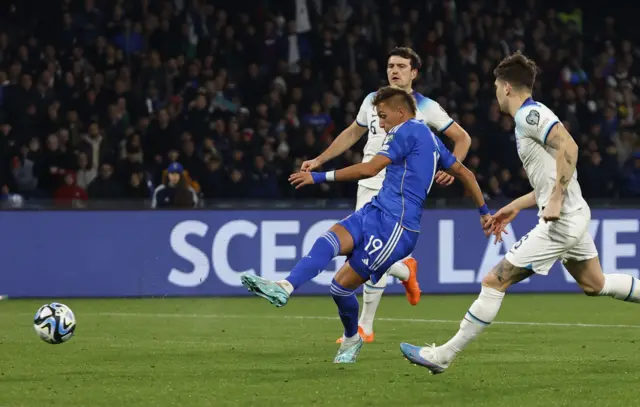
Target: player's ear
[507, 88]
[414, 74]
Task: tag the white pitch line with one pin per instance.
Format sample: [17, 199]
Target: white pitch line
[312, 317]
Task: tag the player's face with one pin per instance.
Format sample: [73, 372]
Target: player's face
[389, 116]
[502, 92]
[399, 72]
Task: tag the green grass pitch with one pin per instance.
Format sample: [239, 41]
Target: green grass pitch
[244, 352]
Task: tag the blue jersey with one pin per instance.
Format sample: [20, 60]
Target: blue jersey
[415, 154]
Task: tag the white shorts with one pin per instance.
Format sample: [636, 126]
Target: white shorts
[365, 195]
[565, 239]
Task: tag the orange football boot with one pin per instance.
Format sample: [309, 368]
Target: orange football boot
[411, 286]
[366, 338]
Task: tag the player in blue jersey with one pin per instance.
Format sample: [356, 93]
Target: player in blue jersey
[383, 231]
[403, 65]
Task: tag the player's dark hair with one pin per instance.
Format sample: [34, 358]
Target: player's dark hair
[395, 95]
[407, 53]
[517, 70]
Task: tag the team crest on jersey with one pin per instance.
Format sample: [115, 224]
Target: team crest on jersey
[389, 138]
[533, 118]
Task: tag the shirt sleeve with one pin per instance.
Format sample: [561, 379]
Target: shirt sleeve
[362, 119]
[195, 197]
[154, 197]
[446, 158]
[398, 143]
[435, 116]
[536, 122]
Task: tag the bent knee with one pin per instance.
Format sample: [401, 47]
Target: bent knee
[492, 281]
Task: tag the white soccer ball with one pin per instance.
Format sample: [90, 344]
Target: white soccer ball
[54, 323]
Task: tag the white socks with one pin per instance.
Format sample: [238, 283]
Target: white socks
[288, 287]
[399, 270]
[373, 293]
[621, 287]
[481, 313]
[370, 300]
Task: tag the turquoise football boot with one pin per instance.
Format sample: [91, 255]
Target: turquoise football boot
[348, 351]
[268, 289]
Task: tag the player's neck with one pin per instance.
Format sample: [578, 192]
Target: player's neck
[517, 101]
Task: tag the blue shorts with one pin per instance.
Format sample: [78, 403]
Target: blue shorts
[378, 241]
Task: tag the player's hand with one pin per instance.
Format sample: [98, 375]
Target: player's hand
[500, 220]
[444, 179]
[551, 212]
[485, 223]
[310, 165]
[300, 179]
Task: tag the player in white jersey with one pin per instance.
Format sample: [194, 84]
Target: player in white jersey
[549, 155]
[402, 68]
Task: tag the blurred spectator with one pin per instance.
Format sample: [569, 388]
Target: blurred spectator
[86, 173]
[105, 185]
[175, 193]
[631, 176]
[70, 191]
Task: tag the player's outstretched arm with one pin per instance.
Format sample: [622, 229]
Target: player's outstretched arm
[461, 140]
[505, 215]
[566, 159]
[354, 172]
[470, 183]
[345, 140]
[525, 201]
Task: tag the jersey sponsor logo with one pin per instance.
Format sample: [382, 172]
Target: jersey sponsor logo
[533, 118]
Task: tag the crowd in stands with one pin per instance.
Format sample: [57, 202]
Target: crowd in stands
[98, 98]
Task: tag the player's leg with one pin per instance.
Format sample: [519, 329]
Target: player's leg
[337, 241]
[479, 316]
[371, 296]
[534, 253]
[588, 274]
[582, 262]
[343, 287]
[386, 242]
[406, 271]
[372, 293]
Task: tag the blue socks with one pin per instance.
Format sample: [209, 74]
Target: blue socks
[347, 304]
[323, 251]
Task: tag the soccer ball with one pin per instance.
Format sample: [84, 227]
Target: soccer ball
[54, 323]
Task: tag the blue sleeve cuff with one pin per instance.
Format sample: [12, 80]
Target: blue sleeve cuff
[319, 177]
[449, 163]
[360, 124]
[442, 130]
[546, 133]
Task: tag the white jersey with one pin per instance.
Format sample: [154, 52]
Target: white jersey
[533, 122]
[429, 111]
